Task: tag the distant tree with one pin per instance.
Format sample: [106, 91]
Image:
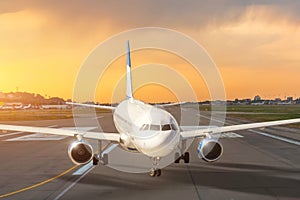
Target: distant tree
[30, 98]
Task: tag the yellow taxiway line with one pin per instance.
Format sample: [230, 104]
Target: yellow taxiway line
[39, 184]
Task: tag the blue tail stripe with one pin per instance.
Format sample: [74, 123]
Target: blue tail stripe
[128, 54]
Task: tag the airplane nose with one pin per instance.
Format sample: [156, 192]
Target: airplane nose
[160, 144]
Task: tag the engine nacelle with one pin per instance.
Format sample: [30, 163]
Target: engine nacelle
[80, 152]
[209, 149]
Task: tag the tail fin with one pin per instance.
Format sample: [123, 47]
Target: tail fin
[128, 75]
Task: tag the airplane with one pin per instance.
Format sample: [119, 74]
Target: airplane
[144, 129]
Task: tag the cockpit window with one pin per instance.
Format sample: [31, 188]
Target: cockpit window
[145, 127]
[151, 127]
[166, 127]
[154, 127]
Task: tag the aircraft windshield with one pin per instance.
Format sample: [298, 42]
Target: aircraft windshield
[166, 127]
[154, 127]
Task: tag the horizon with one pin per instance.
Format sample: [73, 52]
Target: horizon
[205, 100]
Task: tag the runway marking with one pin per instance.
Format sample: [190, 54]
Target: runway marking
[277, 137]
[9, 134]
[216, 120]
[73, 184]
[228, 135]
[83, 169]
[109, 149]
[39, 184]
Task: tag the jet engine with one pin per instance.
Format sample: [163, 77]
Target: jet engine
[80, 152]
[209, 149]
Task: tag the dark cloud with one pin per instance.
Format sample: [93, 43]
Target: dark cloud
[167, 13]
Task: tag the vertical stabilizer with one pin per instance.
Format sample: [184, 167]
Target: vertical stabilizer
[128, 74]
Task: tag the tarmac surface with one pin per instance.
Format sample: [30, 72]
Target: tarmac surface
[256, 164]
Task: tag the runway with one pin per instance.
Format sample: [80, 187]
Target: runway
[253, 166]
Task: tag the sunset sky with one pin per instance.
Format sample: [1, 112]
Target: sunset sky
[255, 44]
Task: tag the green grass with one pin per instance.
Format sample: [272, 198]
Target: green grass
[24, 115]
[256, 109]
[51, 114]
[290, 109]
[262, 112]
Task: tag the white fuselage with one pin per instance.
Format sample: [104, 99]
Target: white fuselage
[146, 129]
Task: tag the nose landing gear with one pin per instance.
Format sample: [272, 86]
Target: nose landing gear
[155, 171]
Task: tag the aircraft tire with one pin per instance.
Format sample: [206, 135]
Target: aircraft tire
[186, 157]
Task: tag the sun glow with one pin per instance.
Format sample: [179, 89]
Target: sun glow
[41, 51]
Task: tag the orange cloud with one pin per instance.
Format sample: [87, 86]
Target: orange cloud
[256, 47]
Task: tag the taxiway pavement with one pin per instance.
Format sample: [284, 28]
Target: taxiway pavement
[254, 166]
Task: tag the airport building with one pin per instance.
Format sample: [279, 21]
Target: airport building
[257, 98]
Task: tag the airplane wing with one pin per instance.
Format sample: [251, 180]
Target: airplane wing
[202, 132]
[193, 128]
[91, 105]
[55, 131]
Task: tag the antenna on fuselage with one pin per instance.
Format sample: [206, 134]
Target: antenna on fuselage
[128, 74]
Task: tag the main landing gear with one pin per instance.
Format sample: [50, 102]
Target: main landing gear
[185, 157]
[103, 158]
